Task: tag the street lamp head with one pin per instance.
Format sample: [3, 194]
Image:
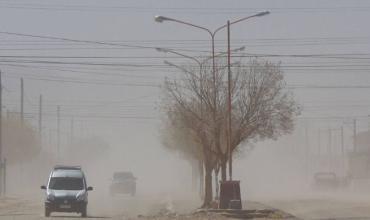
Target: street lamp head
[160, 19]
[240, 49]
[262, 14]
[159, 49]
[168, 63]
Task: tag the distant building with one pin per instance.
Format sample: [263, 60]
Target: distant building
[359, 157]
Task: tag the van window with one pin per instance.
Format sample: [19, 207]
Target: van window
[66, 183]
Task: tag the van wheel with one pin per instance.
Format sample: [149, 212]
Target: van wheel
[84, 211]
[47, 212]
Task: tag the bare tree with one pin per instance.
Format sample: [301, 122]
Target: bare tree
[188, 105]
[262, 107]
[178, 138]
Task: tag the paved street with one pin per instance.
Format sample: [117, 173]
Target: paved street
[312, 207]
[326, 206]
[119, 207]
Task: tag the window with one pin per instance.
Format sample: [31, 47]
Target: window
[66, 183]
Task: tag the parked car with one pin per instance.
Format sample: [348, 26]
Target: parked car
[329, 181]
[66, 191]
[123, 183]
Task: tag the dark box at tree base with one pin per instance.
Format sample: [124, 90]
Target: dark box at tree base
[230, 195]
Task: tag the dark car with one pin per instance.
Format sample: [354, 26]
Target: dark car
[66, 191]
[123, 183]
[326, 181]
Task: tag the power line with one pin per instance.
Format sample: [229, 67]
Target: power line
[69, 70]
[91, 82]
[333, 55]
[155, 65]
[75, 40]
[190, 10]
[197, 42]
[92, 116]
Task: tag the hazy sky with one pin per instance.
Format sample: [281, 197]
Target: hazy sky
[100, 86]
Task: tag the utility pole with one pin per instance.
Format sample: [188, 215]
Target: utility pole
[342, 139]
[72, 130]
[229, 103]
[319, 142]
[306, 150]
[318, 158]
[22, 101]
[1, 121]
[330, 139]
[330, 147]
[2, 158]
[2, 173]
[58, 133]
[40, 118]
[354, 135]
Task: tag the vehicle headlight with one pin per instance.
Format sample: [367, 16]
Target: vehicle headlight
[81, 196]
[50, 197]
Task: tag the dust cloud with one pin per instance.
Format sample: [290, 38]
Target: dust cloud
[163, 178]
[280, 170]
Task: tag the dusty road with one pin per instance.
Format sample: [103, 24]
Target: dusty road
[122, 208]
[329, 206]
[118, 207]
[126, 207]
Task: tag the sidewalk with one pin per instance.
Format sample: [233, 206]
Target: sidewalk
[251, 210]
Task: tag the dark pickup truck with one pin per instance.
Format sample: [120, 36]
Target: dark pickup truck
[123, 183]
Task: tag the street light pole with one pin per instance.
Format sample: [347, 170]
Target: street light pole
[200, 64]
[229, 78]
[189, 72]
[160, 19]
[180, 68]
[166, 50]
[229, 103]
[159, 49]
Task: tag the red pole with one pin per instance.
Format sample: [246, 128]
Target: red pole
[229, 103]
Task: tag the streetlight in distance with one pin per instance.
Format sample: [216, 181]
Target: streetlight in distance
[166, 50]
[187, 71]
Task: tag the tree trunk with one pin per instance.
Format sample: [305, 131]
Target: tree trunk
[208, 196]
[217, 187]
[223, 169]
[201, 179]
[194, 175]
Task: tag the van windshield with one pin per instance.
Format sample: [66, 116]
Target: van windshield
[66, 183]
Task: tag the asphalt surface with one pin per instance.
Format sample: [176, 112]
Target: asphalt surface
[117, 207]
[334, 206]
[157, 207]
[326, 206]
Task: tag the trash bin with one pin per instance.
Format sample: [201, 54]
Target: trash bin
[230, 195]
